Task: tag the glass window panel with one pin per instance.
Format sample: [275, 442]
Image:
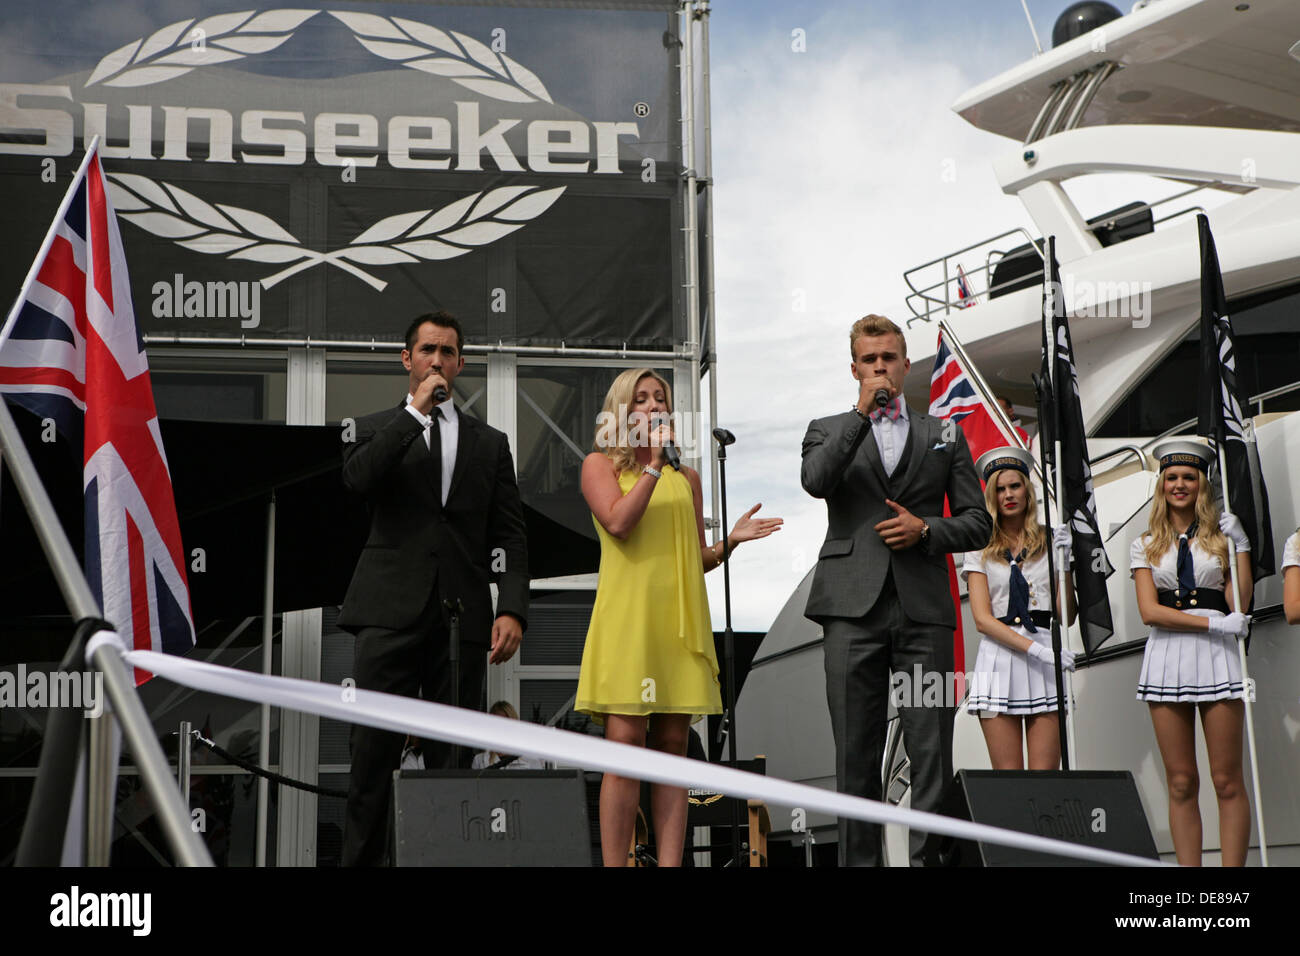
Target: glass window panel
[557, 411]
[556, 634]
[198, 387]
[1267, 338]
[354, 389]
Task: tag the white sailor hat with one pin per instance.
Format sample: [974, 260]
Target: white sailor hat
[1191, 453]
[1008, 456]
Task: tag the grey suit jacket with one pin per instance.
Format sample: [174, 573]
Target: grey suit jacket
[841, 463]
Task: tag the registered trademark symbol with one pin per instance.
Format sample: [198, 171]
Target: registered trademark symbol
[641, 109]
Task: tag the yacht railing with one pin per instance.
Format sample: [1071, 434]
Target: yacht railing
[930, 304]
[1125, 450]
[925, 302]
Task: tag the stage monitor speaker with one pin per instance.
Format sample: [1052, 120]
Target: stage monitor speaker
[1098, 808]
[490, 818]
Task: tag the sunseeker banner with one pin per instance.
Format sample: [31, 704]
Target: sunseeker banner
[333, 170]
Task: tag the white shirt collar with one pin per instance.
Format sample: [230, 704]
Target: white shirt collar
[445, 409]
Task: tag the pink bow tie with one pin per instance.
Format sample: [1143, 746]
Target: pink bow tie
[892, 408]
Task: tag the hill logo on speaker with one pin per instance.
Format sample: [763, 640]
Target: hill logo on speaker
[1068, 820]
[500, 823]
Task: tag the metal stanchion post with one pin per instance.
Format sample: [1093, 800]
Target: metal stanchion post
[183, 750]
[101, 787]
[264, 716]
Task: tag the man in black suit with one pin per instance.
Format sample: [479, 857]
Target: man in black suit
[880, 590]
[445, 519]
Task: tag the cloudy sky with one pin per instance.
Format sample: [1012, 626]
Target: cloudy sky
[830, 182]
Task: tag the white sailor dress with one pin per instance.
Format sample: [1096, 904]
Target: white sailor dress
[1007, 681]
[1186, 666]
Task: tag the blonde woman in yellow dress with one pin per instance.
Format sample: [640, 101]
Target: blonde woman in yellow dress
[648, 667]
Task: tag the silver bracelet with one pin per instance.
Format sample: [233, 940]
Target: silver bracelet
[653, 472]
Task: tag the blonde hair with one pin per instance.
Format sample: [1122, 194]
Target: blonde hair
[611, 430]
[874, 325]
[1161, 528]
[1034, 538]
[503, 708]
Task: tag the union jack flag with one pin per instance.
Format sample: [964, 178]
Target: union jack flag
[965, 294]
[70, 351]
[953, 397]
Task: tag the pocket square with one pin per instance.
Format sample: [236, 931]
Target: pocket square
[939, 444]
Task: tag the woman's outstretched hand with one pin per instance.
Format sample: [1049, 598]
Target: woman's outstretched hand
[749, 528]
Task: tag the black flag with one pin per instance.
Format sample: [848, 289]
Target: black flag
[1061, 409]
[1220, 400]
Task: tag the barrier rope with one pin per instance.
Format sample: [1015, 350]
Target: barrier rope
[271, 775]
[503, 735]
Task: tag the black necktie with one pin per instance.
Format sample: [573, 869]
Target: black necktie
[1186, 572]
[1018, 599]
[435, 455]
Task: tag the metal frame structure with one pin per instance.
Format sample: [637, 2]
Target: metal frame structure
[306, 363]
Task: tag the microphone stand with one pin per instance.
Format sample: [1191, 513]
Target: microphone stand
[454, 610]
[725, 438]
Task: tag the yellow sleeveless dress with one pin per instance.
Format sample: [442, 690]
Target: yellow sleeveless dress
[649, 648]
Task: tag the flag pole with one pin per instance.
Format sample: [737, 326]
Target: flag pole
[986, 393]
[1059, 611]
[45, 244]
[1245, 672]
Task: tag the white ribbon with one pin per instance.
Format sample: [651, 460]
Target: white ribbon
[500, 734]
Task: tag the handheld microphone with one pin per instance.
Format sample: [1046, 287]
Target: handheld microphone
[882, 397]
[439, 391]
[671, 455]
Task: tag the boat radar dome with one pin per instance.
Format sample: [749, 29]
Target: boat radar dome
[1081, 18]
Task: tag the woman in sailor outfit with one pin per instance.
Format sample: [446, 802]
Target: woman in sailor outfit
[1184, 592]
[1009, 583]
[1291, 579]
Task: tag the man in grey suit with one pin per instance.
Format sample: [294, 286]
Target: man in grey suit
[880, 590]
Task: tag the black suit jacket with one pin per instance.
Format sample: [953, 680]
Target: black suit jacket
[416, 544]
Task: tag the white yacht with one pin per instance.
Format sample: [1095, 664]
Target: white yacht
[1204, 94]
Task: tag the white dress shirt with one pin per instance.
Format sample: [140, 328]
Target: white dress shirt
[448, 431]
[891, 437]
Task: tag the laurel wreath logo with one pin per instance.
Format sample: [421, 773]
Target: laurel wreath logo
[170, 212]
[166, 210]
[185, 45]
[419, 46]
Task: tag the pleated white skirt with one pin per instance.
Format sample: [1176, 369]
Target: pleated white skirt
[1190, 667]
[1010, 682]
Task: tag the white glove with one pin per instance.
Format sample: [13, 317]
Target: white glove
[1043, 654]
[1230, 625]
[1231, 527]
[1062, 539]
